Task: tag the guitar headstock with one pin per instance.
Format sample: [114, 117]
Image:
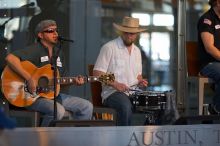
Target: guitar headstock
[106, 78]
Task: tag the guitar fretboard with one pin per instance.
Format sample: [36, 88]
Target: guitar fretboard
[70, 80]
[65, 80]
[92, 79]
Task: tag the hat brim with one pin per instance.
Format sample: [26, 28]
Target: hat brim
[128, 29]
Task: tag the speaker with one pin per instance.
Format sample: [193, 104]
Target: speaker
[81, 123]
[191, 120]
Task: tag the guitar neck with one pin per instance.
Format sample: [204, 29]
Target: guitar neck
[92, 79]
[71, 80]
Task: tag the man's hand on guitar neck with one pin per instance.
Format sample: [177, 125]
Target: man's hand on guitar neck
[79, 80]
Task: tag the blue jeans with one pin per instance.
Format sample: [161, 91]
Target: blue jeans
[81, 109]
[121, 103]
[212, 70]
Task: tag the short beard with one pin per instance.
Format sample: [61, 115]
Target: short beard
[127, 44]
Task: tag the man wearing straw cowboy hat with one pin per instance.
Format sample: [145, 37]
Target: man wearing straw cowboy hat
[123, 58]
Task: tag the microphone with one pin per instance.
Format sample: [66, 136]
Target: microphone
[60, 38]
[28, 5]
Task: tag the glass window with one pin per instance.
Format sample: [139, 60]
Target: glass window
[160, 42]
[12, 3]
[143, 18]
[144, 42]
[12, 23]
[163, 20]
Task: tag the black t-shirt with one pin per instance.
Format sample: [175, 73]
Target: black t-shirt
[208, 22]
[37, 54]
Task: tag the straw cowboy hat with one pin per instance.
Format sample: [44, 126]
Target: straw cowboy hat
[129, 24]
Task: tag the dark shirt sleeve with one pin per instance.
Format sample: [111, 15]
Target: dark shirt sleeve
[26, 54]
[33, 54]
[206, 25]
[21, 54]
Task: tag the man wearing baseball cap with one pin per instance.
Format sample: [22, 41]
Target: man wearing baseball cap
[122, 58]
[41, 54]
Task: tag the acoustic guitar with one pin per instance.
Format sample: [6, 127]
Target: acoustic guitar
[15, 89]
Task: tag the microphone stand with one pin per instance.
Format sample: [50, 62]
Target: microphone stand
[54, 68]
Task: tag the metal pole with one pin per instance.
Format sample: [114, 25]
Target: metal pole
[181, 72]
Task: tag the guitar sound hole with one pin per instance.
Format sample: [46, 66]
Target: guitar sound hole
[43, 83]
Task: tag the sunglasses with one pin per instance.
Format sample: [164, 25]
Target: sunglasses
[50, 30]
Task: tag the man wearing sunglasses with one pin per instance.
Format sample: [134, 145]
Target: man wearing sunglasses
[41, 54]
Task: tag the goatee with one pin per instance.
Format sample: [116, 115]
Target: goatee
[127, 44]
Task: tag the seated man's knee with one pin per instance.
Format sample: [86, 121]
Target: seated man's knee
[60, 111]
[88, 107]
[126, 108]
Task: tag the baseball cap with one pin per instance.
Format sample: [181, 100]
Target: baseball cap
[44, 24]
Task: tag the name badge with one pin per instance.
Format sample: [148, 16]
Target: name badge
[59, 63]
[217, 26]
[44, 58]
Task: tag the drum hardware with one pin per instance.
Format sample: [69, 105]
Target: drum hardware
[153, 117]
[151, 103]
[148, 100]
